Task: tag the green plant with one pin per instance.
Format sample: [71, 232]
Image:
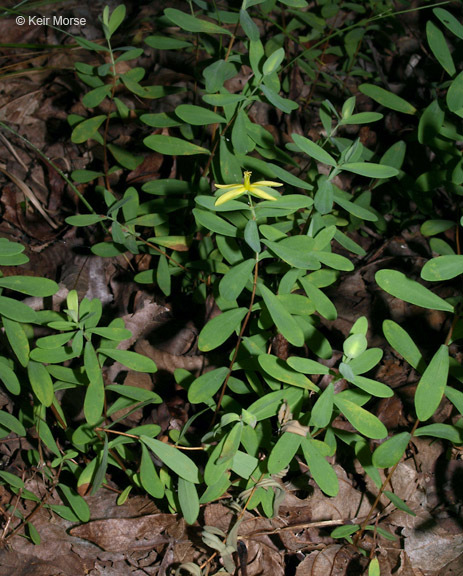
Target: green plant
[265, 259]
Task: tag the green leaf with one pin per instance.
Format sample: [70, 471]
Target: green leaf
[366, 361]
[430, 123]
[344, 531]
[18, 340]
[362, 118]
[439, 48]
[31, 285]
[116, 19]
[231, 444]
[268, 405]
[214, 223]
[273, 62]
[323, 408]
[373, 568]
[355, 345]
[442, 268]
[188, 500]
[387, 99]
[8, 421]
[365, 422]
[313, 150]
[172, 146]
[223, 99]
[220, 328]
[307, 366]
[449, 21]
[111, 333]
[399, 286]
[135, 393]
[433, 227]
[125, 158]
[251, 236]
[282, 318]
[163, 276]
[438, 430]
[193, 24]
[204, 387]
[84, 219]
[88, 45]
[455, 397]
[41, 383]
[88, 129]
[321, 471]
[297, 251]
[335, 261]
[198, 116]
[9, 379]
[94, 396]
[322, 303]
[283, 452]
[166, 43]
[149, 477]
[431, 387]
[173, 458]
[15, 310]
[283, 104]
[76, 502]
[248, 25]
[12, 480]
[372, 387]
[390, 452]
[234, 281]
[370, 170]
[94, 98]
[282, 372]
[398, 338]
[131, 360]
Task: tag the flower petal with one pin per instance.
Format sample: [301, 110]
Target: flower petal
[227, 186]
[230, 195]
[267, 183]
[260, 193]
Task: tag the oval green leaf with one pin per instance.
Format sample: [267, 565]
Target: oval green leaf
[193, 24]
[362, 420]
[399, 286]
[322, 472]
[313, 150]
[132, 360]
[386, 98]
[188, 500]
[220, 328]
[285, 323]
[431, 387]
[283, 452]
[442, 268]
[282, 372]
[204, 387]
[234, 281]
[173, 458]
[391, 451]
[197, 115]
[172, 146]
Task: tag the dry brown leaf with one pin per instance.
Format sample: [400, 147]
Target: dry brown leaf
[125, 534]
[335, 560]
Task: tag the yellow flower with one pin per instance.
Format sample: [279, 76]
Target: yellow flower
[235, 190]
